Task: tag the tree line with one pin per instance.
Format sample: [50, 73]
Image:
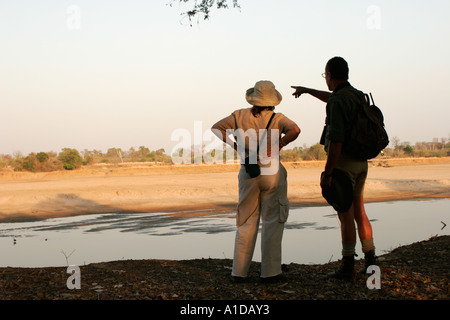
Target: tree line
[70, 159]
[396, 149]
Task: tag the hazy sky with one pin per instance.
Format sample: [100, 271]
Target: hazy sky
[96, 74]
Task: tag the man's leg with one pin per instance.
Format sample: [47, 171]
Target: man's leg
[365, 233]
[362, 221]
[348, 236]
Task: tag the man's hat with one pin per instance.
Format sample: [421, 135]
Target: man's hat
[340, 194]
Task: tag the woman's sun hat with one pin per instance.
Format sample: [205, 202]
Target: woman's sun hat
[263, 94]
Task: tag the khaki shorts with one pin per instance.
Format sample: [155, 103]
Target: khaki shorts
[357, 171]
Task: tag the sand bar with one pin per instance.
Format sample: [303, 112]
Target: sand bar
[181, 189]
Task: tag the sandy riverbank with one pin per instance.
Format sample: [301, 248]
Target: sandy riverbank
[152, 188]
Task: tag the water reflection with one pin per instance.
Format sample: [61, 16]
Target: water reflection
[311, 236]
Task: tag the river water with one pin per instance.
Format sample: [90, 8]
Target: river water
[311, 236]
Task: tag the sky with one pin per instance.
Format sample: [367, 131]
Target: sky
[100, 74]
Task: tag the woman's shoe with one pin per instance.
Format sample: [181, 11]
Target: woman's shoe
[278, 278]
[237, 279]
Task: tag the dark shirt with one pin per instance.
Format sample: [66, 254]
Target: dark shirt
[340, 110]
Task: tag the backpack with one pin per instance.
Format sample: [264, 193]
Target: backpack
[367, 136]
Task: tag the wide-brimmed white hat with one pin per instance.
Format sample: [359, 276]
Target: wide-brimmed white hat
[263, 94]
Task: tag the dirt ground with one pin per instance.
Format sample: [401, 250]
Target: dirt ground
[414, 272]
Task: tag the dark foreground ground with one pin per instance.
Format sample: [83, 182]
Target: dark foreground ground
[419, 271]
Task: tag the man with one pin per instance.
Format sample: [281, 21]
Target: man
[342, 104]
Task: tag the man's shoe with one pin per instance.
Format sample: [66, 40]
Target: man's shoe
[345, 271]
[369, 260]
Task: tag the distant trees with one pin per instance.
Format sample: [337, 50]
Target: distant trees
[71, 159]
[30, 163]
[142, 154]
[435, 148]
[315, 152]
[40, 162]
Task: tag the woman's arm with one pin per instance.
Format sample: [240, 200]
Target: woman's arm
[291, 133]
[222, 135]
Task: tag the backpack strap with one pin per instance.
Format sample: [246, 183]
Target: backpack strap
[267, 127]
[265, 131]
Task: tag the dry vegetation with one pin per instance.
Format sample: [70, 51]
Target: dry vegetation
[70, 159]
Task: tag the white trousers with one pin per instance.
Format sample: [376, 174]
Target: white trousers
[265, 198]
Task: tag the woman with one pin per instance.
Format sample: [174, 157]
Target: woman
[264, 196]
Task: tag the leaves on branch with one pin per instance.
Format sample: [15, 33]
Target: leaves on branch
[203, 7]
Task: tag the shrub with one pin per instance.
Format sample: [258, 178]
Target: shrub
[42, 157]
[315, 152]
[70, 158]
